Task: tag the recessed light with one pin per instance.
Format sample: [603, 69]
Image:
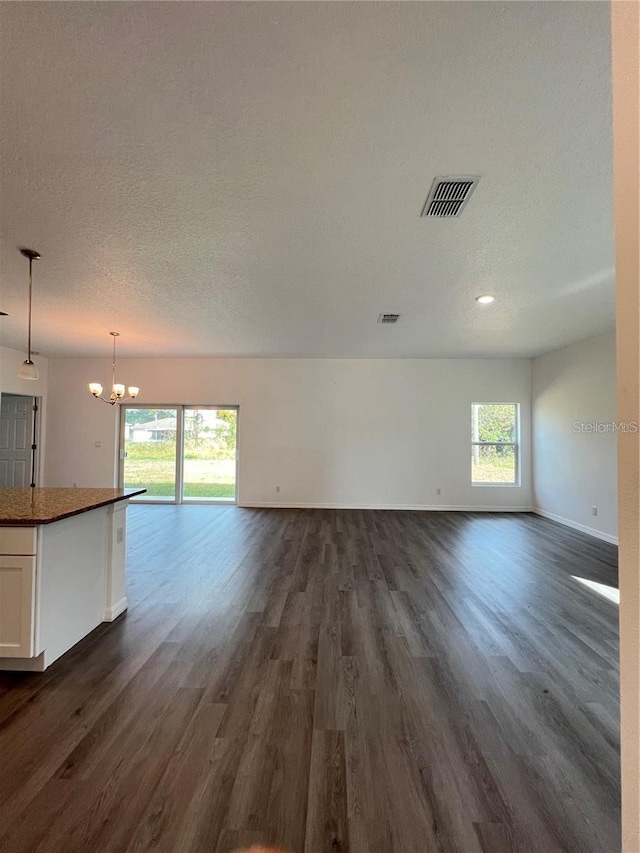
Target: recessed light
[485, 300]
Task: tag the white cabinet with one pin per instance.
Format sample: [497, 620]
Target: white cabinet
[17, 606]
[20, 541]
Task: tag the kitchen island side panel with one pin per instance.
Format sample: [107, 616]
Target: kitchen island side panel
[72, 566]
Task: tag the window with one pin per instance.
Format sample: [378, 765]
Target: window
[494, 444]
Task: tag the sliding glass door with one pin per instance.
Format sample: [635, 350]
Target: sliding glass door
[209, 470]
[180, 454]
[149, 441]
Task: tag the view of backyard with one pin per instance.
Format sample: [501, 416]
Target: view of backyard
[493, 464]
[209, 471]
[494, 434]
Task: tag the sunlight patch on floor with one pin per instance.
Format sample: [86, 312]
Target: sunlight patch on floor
[602, 589]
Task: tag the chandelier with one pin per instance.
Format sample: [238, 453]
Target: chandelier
[117, 389]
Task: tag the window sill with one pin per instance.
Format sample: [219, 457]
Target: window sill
[496, 485]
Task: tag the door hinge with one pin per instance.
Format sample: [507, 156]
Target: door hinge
[34, 446]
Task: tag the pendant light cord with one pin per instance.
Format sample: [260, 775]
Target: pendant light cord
[28, 369]
[30, 290]
[113, 366]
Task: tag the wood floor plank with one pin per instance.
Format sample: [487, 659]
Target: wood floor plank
[163, 823]
[327, 815]
[317, 680]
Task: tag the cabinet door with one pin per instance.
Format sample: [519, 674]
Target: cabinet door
[17, 606]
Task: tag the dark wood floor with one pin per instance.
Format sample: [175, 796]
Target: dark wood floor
[373, 682]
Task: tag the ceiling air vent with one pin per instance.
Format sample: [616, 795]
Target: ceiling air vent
[388, 318]
[448, 196]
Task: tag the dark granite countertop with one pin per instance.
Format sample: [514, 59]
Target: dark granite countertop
[30, 507]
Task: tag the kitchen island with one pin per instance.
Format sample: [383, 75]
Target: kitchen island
[62, 569]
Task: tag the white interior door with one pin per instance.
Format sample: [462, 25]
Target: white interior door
[16, 438]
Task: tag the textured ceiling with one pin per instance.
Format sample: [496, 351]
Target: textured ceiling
[247, 178]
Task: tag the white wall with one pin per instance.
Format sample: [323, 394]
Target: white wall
[10, 361]
[329, 432]
[575, 471]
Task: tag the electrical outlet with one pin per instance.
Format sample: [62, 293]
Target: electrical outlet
[438, 491]
[594, 510]
[277, 488]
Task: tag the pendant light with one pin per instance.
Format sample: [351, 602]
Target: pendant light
[117, 389]
[28, 369]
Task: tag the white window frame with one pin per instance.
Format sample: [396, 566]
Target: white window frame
[515, 444]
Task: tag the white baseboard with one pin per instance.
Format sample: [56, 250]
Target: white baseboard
[420, 507]
[111, 613]
[24, 664]
[583, 528]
